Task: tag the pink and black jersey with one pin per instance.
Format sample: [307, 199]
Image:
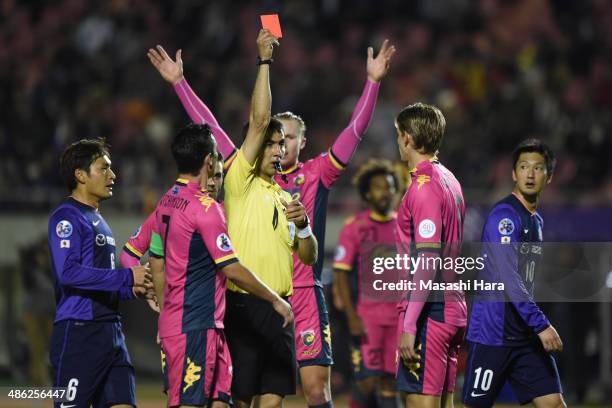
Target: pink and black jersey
[430, 220]
[364, 235]
[138, 243]
[196, 245]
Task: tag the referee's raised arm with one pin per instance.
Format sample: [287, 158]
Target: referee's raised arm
[261, 100]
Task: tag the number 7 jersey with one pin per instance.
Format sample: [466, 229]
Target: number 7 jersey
[196, 245]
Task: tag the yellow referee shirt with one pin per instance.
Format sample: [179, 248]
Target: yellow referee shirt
[258, 227]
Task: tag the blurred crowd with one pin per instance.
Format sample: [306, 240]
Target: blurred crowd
[501, 70]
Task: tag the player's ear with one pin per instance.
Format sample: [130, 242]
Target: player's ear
[514, 175]
[80, 176]
[303, 142]
[549, 178]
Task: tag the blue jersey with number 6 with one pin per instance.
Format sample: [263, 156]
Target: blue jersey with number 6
[82, 248]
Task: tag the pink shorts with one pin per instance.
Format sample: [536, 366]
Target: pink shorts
[199, 367]
[312, 331]
[438, 345]
[374, 353]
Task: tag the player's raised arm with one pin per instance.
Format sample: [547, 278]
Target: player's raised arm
[261, 100]
[306, 243]
[345, 145]
[172, 72]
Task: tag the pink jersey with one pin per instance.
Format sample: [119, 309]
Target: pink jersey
[310, 181]
[138, 243]
[365, 235]
[430, 220]
[196, 245]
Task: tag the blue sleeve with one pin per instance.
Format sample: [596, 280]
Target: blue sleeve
[501, 239]
[67, 234]
[125, 293]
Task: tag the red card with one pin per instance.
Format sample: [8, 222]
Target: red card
[271, 22]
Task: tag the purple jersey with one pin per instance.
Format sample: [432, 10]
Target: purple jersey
[511, 238]
[196, 245]
[357, 239]
[82, 247]
[430, 220]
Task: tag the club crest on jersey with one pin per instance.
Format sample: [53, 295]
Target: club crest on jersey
[427, 228]
[506, 226]
[63, 229]
[340, 253]
[308, 337]
[223, 242]
[137, 232]
[299, 180]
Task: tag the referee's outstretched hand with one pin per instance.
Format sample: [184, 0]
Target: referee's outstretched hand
[284, 309]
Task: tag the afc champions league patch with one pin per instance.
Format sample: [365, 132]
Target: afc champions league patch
[63, 229]
[137, 232]
[505, 226]
[308, 337]
[299, 180]
[427, 228]
[340, 253]
[224, 243]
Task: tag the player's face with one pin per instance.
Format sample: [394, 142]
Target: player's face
[294, 143]
[273, 152]
[216, 181]
[530, 174]
[99, 182]
[382, 192]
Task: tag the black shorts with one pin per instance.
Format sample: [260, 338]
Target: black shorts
[263, 352]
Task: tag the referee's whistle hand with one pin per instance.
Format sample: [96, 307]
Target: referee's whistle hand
[142, 276]
[284, 309]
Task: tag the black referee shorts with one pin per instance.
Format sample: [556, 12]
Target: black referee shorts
[263, 352]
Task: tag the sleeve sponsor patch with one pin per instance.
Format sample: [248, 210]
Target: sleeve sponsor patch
[505, 226]
[63, 229]
[427, 228]
[223, 242]
[340, 253]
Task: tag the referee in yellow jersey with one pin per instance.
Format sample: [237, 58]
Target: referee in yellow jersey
[266, 227]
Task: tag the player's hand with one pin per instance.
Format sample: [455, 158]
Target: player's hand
[284, 309]
[142, 276]
[407, 349]
[295, 213]
[265, 44]
[148, 295]
[550, 339]
[171, 71]
[377, 67]
[356, 326]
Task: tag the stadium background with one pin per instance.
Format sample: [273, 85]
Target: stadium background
[501, 70]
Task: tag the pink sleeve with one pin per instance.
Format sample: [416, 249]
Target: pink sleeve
[199, 113]
[213, 228]
[138, 243]
[346, 251]
[345, 145]
[426, 213]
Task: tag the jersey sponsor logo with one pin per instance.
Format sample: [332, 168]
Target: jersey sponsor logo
[175, 190]
[422, 179]
[223, 242]
[136, 233]
[473, 394]
[308, 337]
[62, 405]
[505, 226]
[100, 240]
[206, 202]
[95, 223]
[192, 374]
[299, 180]
[65, 243]
[340, 253]
[63, 229]
[427, 228]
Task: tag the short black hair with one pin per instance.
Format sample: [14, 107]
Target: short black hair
[535, 146]
[374, 167]
[190, 147]
[275, 126]
[80, 155]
